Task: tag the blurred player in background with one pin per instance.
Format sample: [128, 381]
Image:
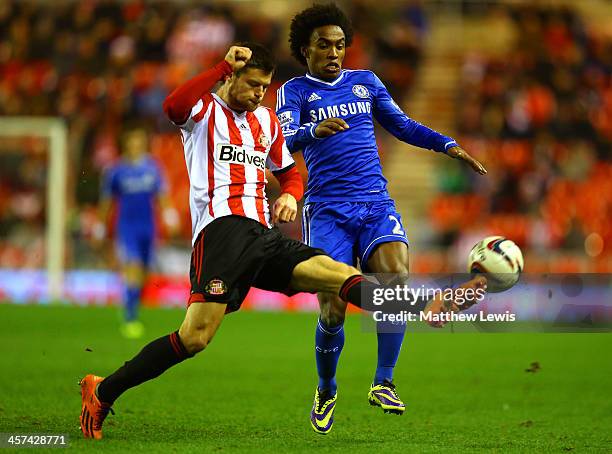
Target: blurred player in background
[328, 114]
[136, 185]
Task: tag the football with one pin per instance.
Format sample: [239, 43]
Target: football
[499, 259]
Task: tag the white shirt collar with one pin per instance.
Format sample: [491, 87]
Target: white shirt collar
[331, 84]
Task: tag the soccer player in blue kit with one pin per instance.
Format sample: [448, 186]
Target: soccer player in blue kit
[328, 114]
[136, 184]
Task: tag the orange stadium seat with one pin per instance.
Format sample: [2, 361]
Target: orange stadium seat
[515, 155]
[449, 212]
[512, 226]
[428, 262]
[145, 74]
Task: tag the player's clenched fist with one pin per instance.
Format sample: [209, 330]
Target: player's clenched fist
[330, 127]
[285, 209]
[237, 57]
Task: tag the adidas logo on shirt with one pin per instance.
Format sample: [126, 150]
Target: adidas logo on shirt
[313, 97]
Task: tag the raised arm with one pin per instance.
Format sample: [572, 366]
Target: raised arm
[179, 103]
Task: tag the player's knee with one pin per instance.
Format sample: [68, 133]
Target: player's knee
[346, 270]
[390, 262]
[335, 316]
[395, 267]
[195, 344]
[335, 265]
[351, 270]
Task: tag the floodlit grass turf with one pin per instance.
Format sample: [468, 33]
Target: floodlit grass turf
[252, 389]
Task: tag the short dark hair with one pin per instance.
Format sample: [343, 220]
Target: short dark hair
[304, 23]
[261, 58]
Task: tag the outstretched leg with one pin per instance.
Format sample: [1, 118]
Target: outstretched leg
[197, 330]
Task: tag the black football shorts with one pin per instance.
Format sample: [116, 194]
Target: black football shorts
[234, 253]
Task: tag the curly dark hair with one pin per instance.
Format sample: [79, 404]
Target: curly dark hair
[305, 22]
[261, 58]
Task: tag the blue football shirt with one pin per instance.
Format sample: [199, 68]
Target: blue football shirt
[134, 185]
[346, 166]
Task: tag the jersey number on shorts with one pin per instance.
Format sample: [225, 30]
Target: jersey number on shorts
[398, 228]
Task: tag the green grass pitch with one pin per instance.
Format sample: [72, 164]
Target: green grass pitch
[252, 389]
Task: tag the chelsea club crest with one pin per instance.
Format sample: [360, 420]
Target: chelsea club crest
[361, 91]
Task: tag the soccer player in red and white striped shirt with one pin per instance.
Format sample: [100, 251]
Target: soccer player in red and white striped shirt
[229, 140]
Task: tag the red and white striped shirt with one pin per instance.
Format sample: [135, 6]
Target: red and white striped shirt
[226, 153]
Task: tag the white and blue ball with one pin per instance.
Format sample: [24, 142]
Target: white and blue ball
[499, 259]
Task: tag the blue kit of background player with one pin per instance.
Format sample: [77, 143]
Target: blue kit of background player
[135, 183]
[134, 186]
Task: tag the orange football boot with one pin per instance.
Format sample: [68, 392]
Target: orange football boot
[93, 412]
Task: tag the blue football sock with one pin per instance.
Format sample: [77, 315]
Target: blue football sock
[132, 300]
[328, 346]
[390, 338]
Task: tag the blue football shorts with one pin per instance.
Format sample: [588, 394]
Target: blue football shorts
[350, 231]
[135, 246]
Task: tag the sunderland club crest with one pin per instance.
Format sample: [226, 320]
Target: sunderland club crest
[215, 287]
[264, 141]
